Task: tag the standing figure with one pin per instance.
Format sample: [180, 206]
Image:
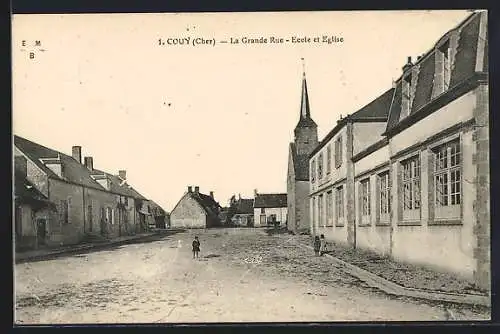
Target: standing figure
[317, 245]
[196, 247]
[322, 248]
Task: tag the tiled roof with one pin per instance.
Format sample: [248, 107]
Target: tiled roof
[211, 207]
[244, 205]
[136, 193]
[300, 164]
[72, 170]
[117, 185]
[270, 201]
[464, 67]
[375, 111]
[378, 109]
[25, 192]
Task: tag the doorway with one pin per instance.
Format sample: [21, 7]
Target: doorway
[41, 224]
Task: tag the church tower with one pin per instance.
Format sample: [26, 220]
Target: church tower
[306, 131]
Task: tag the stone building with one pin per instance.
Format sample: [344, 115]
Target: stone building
[89, 202]
[195, 210]
[270, 209]
[416, 187]
[243, 211]
[305, 140]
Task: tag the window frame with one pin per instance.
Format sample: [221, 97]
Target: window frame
[384, 200]
[313, 170]
[329, 208]
[407, 94]
[365, 201]
[339, 206]
[321, 213]
[320, 166]
[338, 152]
[448, 211]
[411, 209]
[328, 159]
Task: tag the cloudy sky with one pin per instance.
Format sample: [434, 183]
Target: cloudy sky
[221, 116]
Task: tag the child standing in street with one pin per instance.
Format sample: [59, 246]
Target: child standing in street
[322, 248]
[196, 247]
[317, 245]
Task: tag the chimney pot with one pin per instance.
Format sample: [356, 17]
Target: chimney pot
[89, 163]
[77, 153]
[196, 189]
[409, 60]
[122, 174]
[212, 194]
[190, 189]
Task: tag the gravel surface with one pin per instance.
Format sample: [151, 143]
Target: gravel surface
[407, 275]
[243, 275]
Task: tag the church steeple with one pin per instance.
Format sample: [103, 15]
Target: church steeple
[306, 131]
[304, 104]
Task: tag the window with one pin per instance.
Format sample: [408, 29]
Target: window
[338, 152]
[407, 98]
[64, 213]
[109, 215]
[384, 194]
[314, 212]
[271, 218]
[262, 219]
[329, 208]
[444, 60]
[321, 217]
[89, 216]
[411, 183]
[328, 159]
[447, 176]
[262, 210]
[365, 197]
[320, 166]
[339, 202]
[313, 170]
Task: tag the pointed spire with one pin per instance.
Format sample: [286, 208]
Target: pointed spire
[304, 105]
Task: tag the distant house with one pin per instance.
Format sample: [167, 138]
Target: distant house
[160, 216]
[270, 209]
[196, 210]
[225, 216]
[243, 212]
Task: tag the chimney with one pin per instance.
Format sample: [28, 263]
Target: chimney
[212, 194]
[122, 174]
[255, 193]
[190, 189]
[77, 153]
[21, 166]
[239, 196]
[197, 189]
[407, 65]
[89, 163]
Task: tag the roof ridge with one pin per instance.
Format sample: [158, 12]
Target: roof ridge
[374, 100]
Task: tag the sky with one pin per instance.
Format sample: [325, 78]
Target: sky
[215, 116]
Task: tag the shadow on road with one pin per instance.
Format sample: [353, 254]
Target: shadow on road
[78, 252]
[162, 235]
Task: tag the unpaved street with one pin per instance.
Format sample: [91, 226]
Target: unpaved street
[243, 275]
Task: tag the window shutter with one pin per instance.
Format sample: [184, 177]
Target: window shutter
[69, 210]
[61, 211]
